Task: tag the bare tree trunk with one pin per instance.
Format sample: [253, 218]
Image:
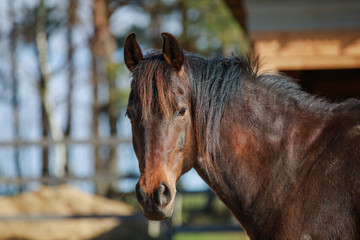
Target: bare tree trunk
[45, 130]
[14, 100]
[72, 7]
[48, 106]
[103, 46]
[113, 113]
[95, 104]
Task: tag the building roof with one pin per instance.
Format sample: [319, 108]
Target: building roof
[282, 15]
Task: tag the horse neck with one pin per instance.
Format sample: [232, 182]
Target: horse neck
[263, 149]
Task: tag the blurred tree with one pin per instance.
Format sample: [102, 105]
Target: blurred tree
[209, 28]
[104, 74]
[15, 86]
[48, 108]
[206, 27]
[71, 21]
[37, 24]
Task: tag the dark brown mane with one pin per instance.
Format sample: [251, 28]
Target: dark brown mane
[215, 83]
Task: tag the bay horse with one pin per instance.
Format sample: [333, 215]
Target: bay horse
[286, 163]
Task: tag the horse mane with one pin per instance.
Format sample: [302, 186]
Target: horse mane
[215, 82]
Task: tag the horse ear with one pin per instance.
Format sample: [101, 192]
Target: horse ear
[172, 51]
[132, 52]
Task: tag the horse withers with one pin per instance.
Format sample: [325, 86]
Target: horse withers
[286, 164]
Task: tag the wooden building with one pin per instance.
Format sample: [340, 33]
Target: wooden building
[315, 41]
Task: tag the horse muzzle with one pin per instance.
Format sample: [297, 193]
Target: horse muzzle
[158, 205]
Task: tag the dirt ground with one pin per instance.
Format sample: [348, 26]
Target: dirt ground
[58, 201]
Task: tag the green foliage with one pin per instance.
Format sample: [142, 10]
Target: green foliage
[212, 27]
[200, 209]
[118, 96]
[208, 26]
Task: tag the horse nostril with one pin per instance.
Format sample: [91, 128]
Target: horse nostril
[160, 198]
[162, 195]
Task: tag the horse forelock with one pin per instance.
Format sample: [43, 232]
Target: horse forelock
[152, 87]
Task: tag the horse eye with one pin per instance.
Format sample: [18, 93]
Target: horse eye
[182, 112]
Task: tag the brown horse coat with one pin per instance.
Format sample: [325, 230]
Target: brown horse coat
[287, 164]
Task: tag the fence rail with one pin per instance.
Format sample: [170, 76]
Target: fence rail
[66, 141]
[34, 217]
[48, 142]
[97, 178]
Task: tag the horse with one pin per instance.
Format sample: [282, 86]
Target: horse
[284, 162]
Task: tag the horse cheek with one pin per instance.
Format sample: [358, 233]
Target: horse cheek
[137, 136]
[189, 149]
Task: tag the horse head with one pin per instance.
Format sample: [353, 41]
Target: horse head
[160, 112]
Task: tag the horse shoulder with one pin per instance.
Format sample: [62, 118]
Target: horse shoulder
[327, 196]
